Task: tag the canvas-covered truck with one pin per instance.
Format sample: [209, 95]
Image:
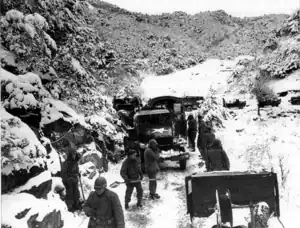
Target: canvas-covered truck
[221, 192]
[158, 120]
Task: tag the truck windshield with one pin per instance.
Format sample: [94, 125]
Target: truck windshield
[159, 119]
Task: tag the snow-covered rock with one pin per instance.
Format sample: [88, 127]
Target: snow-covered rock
[26, 92]
[20, 148]
[92, 155]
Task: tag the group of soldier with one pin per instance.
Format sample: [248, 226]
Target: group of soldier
[210, 148]
[103, 206]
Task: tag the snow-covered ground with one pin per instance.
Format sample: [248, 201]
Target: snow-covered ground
[195, 81]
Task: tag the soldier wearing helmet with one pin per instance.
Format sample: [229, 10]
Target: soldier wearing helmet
[132, 173]
[151, 157]
[103, 207]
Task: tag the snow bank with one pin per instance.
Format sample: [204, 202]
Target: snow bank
[35, 181]
[17, 203]
[20, 148]
[292, 82]
[58, 109]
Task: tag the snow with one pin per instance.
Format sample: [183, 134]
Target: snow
[251, 142]
[26, 91]
[50, 42]
[100, 121]
[14, 15]
[25, 150]
[77, 66]
[35, 181]
[270, 144]
[197, 80]
[292, 82]
[38, 206]
[53, 160]
[36, 20]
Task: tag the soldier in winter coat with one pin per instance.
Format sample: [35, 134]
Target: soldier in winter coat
[151, 157]
[103, 207]
[217, 158]
[192, 131]
[203, 131]
[132, 174]
[70, 175]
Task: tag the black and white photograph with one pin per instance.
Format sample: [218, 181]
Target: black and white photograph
[150, 113]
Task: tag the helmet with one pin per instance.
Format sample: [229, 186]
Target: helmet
[217, 143]
[100, 182]
[190, 117]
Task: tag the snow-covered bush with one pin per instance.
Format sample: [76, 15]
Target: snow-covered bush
[292, 26]
[25, 35]
[36, 20]
[262, 91]
[283, 61]
[26, 92]
[213, 111]
[20, 148]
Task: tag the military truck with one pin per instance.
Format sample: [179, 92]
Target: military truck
[156, 120]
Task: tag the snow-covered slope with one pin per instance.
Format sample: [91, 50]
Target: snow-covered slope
[195, 81]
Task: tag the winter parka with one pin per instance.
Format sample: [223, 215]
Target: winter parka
[151, 160]
[105, 211]
[131, 170]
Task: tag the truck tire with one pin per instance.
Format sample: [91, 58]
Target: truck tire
[182, 164]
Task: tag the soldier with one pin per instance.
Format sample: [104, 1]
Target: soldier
[192, 131]
[217, 158]
[70, 175]
[132, 174]
[182, 126]
[202, 130]
[151, 157]
[103, 207]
